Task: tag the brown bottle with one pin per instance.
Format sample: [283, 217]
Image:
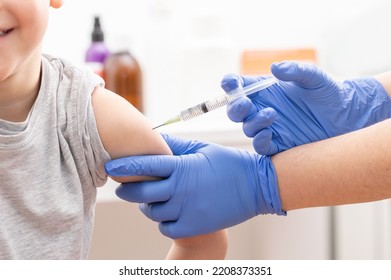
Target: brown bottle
[123, 76]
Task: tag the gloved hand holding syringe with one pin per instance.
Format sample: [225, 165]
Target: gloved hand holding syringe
[219, 101]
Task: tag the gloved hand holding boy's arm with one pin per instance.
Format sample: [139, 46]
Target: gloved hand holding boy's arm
[206, 187]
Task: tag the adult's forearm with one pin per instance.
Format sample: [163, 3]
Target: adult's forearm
[385, 80]
[351, 168]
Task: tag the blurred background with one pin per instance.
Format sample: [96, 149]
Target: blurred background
[184, 48]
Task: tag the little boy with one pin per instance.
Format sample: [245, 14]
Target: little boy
[58, 126]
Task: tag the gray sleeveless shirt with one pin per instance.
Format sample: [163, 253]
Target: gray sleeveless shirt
[50, 166]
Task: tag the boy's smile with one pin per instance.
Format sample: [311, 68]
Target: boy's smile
[4, 32]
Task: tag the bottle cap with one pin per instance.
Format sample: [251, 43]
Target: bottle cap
[97, 34]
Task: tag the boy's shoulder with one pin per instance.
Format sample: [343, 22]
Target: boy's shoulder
[70, 73]
[62, 63]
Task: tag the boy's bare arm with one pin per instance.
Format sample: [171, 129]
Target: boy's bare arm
[212, 246]
[124, 131]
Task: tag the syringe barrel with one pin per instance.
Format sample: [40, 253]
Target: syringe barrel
[204, 107]
[223, 100]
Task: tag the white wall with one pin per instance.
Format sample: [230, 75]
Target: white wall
[170, 38]
[185, 47]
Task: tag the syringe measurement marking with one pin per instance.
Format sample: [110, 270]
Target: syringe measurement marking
[204, 107]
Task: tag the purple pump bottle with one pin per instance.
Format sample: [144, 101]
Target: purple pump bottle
[97, 52]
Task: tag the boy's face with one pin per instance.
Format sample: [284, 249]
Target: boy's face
[22, 27]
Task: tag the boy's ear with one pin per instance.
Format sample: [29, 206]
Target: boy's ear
[56, 3]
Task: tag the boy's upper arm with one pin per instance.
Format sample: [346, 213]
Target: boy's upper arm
[123, 130]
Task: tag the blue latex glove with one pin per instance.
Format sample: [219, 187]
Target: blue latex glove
[207, 187]
[305, 106]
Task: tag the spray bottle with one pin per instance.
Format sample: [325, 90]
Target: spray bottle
[97, 52]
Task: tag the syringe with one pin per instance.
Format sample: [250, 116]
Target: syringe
[219, 101]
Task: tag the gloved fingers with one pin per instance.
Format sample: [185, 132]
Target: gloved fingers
[160, 212]
[231, 82]
[153, 165]
[240, 109]
[166, 228]
[257, 122]
[145, 192]
[248, 80]
[170, 229]
[262, 141]
[173, 230]
[181, 146]
[305, 75]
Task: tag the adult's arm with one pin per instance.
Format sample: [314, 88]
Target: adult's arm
[385, 80]
[351, 168]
